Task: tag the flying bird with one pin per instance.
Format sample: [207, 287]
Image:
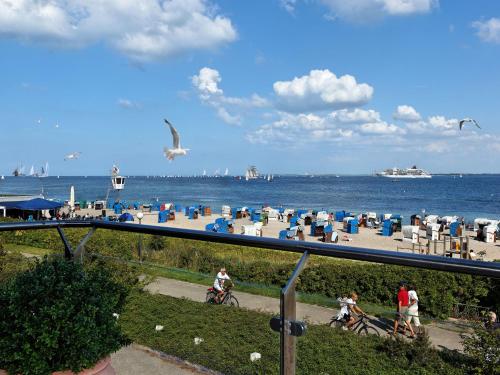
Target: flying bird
[467, 119]
[72, 156]
[171, 153]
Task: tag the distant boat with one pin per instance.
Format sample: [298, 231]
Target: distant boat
[252, 173]
[412, 172]
[44, 171]
[18, 172]
[270, 177]
[460, 176]
[226, 172]
[2, 177]
[204, 173]
[32, 171]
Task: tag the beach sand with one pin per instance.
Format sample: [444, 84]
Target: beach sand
[366, 238]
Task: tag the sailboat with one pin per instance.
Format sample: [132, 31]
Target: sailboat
[270, 177]
[44, 171]
[19, 171]
[251, 173]
[226, 172]
[204, 173]
[32, 172]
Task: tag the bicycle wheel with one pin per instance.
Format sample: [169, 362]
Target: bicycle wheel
[232, 301]
[210, 297]
[335, 323]
[367, 330]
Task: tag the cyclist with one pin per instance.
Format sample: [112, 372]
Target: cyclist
[347, 306]
[221, 277]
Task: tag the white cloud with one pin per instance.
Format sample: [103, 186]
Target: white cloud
[297, 129]
[206, 83]
[319, 90]
[438, 147]
[488, 31]
[143, 30]
[227, 117]
[365, 10]
[356, 115]
[288, 5]
[443, 123]
[406, 113]
[381, 128]
[128, 104]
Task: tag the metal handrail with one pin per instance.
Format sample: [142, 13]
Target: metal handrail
[473, 267]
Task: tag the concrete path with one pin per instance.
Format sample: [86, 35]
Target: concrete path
[140, 360]
[441, 338]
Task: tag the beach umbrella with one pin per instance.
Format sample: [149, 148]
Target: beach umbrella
[72, 197]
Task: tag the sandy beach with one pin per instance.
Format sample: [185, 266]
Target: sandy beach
[366, 238]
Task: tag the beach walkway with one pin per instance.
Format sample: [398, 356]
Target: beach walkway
[137, 359]
[442, 335]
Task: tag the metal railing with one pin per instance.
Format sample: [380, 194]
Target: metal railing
[287, 324]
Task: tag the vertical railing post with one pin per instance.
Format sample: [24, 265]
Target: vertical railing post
[287, 315]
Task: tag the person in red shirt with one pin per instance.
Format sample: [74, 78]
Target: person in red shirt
[402, 309]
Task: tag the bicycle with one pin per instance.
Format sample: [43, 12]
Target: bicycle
[359, 326]
[228, 298]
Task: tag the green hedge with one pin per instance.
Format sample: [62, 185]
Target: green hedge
[375, 283]
[230, 335]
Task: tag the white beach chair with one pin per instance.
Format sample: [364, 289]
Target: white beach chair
[411, 233]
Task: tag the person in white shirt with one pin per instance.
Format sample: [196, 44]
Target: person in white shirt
[412, 312]
[347, 306]
[221, 277]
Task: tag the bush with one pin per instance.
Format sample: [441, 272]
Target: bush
[11, 265]
[375, 283]
[58, 317]
[230, 335]
[483, 347]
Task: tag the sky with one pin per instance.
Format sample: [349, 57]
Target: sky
[291, 86]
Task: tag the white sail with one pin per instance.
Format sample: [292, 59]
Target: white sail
[204, 173]
[44, 171]
[32, 171]
[226, 172]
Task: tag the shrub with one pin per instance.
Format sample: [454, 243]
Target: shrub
[375, 283]
[11, 265]
[483, 347]
[57, 317]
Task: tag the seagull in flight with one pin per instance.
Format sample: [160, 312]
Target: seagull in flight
[467, 119]
[171, 153]
[72, 156]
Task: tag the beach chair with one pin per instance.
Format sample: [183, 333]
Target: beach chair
[226, 211]
[411, 233]
[387, 228]
[432, 232]
[210, 227]
[339, 216]
[162, 216]
[352, 226]
[293, 221]
[283, 234]
[455, 229]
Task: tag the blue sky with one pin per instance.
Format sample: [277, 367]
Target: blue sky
[318, 86]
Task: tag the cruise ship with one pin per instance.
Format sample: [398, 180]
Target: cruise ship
[412, 172]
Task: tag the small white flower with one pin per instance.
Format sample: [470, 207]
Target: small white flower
[198, 340]
[159, 328]
[116, 315]
[255, 356]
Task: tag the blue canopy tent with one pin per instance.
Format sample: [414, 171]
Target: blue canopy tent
[36, 204]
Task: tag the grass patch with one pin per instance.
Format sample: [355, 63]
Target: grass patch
[25, 249]
[230, 335]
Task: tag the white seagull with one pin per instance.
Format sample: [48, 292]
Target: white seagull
[467, 119]
[171, 153]
[72, 156]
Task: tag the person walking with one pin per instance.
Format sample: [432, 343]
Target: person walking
[413, 310]
[402, 309]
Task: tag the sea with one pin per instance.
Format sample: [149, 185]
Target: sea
[470, 196]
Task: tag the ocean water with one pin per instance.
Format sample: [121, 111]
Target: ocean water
[471, 196]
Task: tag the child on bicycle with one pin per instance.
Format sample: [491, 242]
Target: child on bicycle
[221, 277]
[348, 305]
